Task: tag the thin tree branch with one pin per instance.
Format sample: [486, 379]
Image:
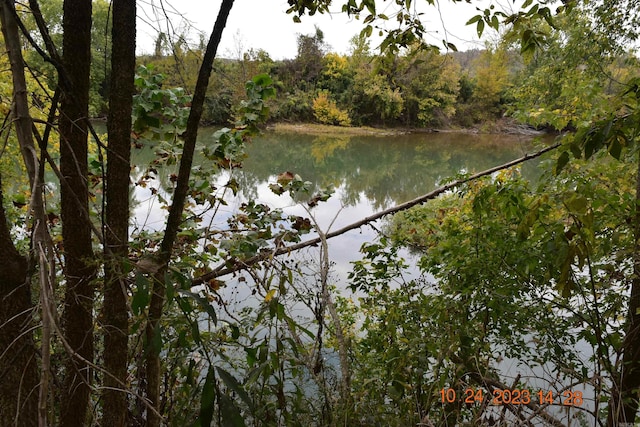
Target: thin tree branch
[237, 265]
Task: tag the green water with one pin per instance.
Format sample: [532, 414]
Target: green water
[367, 173]
[385, 170]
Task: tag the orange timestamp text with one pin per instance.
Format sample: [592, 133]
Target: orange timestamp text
[513, 397]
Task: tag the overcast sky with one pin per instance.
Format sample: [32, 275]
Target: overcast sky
[263, 24]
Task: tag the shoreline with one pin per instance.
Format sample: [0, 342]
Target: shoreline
[502, 127]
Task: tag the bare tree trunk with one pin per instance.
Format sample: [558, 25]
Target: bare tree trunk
[152, 368]
[76, 231]
[623, 404]
[116, 315]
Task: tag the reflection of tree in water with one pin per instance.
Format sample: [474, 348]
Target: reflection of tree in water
[385, 169]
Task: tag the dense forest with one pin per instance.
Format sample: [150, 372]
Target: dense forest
[417, 87]
[104, 323]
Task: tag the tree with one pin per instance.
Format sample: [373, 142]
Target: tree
[19, 403]
[51, 11]
[80, 271]
[153, 372]
[303, 72]
[116, 230]
[429, 85]
[491, 82]
[550, 92]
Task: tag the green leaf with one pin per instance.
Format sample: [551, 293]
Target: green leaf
[577, 204]
[202, 303]
[229, 412]
[495, 23]
[140, 298]
[562, 161]
[450, 46]
[263, 80]
[575, 150]
[474, 20]
[252, 355]
[195, 332]
[480, 27]
[615, 148]
[235, 332]
[207, 400]
[371, 6]
[235, 386]
[565, 282]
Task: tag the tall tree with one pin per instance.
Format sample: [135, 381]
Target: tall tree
[175, 213]
[116, 229]
[18, 398]
[20, 403]
[80, 269]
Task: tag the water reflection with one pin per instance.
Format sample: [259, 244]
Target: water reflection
[384, 170]
[369, 173]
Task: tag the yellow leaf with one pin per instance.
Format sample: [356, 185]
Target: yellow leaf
[270, 295]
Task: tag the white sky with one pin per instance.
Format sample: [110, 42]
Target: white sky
[263, 24]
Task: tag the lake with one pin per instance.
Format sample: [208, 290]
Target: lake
[368, 174]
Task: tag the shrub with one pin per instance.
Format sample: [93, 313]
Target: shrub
[327, 112]
[296, 107]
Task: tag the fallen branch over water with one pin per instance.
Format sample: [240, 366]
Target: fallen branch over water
[236, 265]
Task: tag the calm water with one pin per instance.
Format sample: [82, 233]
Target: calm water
[368, 173]
[383, 170]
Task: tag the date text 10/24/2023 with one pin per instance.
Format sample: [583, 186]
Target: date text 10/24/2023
[513, 397]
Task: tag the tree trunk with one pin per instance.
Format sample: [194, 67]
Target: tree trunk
[116, 232]
[623, 404]
[22, 402]
[76, 230]
[18, 363]
[152, 368]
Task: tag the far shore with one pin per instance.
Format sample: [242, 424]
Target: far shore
[505, 126]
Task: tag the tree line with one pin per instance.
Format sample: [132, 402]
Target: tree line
[415, 87]
[419, 88]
